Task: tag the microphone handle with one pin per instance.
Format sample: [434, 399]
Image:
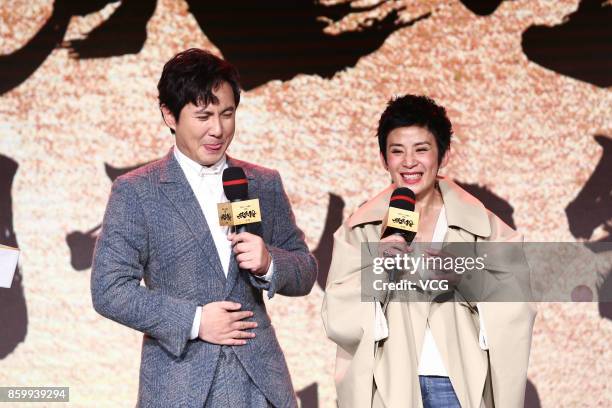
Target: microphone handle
[239, 228]
[408, 236]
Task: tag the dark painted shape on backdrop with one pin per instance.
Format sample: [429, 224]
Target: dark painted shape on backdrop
[309, 396]
[491, 201]
[482, 7]
[13, 308]
[279, 39]
[323, 252]
[82, 244]
[580, 47]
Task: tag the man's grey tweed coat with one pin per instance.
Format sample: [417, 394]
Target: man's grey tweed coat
[154, 229]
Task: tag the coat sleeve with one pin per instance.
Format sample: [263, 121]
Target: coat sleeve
[295, 268]
[509, 323]
[120, 257]
[343, 312]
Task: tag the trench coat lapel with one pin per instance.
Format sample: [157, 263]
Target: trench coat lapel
[373, 211]
[463, 211]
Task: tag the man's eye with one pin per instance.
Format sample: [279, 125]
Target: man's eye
[422, 149]
[203, 117]
[396, 151]
[228, 115]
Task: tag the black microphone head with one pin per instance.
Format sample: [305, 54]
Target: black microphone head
[235, 184]
[403, 198]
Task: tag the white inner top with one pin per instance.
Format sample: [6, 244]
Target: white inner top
[430, 362]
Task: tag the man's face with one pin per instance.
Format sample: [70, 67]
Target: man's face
[412, 159]
[203, 133]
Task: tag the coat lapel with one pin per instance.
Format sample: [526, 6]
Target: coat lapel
[233, 270]
[373, 211]
[463, 210]
[176, 188]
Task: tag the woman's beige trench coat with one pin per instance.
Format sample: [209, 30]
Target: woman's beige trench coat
[370, 375]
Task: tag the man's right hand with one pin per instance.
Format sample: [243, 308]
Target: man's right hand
[221, 323]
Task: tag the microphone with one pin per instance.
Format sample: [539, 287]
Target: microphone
[401, 218]
[240, 211]
[235, 184]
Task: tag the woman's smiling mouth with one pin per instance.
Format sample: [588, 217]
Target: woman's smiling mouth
[411, 177]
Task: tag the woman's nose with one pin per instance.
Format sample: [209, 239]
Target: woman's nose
[409, 161]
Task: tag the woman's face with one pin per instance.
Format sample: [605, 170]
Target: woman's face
[412, 159]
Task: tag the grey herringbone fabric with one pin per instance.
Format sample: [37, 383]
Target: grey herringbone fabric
[154, 229]
[232, 386]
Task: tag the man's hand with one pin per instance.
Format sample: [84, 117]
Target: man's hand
[221, 323]
[251, 252]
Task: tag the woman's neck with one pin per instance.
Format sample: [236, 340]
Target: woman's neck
[429, 201]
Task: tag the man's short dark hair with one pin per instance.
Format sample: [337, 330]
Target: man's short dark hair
[415, 110]
[191, 76]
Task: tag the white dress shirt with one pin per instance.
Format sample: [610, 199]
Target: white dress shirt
[207, 185]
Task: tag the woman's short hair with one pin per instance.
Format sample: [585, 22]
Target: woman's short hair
[415, 110]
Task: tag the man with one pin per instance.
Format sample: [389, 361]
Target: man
[208, 340]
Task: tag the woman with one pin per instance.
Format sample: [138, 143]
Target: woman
[425, 354]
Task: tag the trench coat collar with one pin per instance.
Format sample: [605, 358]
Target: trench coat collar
[462, 209]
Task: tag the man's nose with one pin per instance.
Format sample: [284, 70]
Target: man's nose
[216, 128]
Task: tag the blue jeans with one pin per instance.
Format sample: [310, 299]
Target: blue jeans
[437, 392]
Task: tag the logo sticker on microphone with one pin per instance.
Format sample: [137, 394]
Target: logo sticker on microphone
[239, 212]
[403, 219]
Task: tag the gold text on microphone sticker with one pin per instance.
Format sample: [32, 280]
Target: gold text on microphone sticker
[403, 219]
[239, 213]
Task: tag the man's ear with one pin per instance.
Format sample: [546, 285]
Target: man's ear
[383, 162]
[169, 118]
[445, 158]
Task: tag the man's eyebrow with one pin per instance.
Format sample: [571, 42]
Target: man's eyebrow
[208, 112]
[422, 143]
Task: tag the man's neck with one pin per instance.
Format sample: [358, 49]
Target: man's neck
[182, 157]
